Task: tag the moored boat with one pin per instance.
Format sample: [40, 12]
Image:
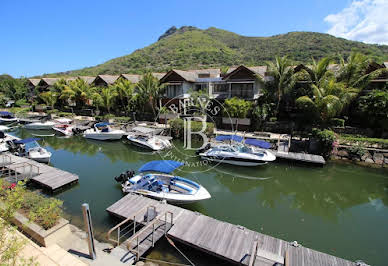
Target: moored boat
[31, 149]
[146, 138]
[155, 180]
[64, 129]
[102, 131]
[7, 117]
[236, 153]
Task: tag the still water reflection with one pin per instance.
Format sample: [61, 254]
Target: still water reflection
[340, 209]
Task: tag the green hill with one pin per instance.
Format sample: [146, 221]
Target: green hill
[190, 47]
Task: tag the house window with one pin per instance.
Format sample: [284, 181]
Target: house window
[203, 75]
[220, 88]
[242, 90]
[174, 90]
[202, 87]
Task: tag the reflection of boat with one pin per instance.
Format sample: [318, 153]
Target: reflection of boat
[102, 131]
[31, 149]
[156, 182]
[146, 138]
[236, 153]
[7, 117]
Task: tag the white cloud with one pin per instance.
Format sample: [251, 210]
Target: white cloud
[363, 20]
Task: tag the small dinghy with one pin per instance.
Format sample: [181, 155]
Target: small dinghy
[102, 131]
[64, 129]
[155, 180]
[31, 149]
[237, 153]
[7, 117]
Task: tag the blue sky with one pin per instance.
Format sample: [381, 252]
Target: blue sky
[50, 36]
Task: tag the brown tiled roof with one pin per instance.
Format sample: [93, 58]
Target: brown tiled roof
[259, 70]
[49, 81]
[213, 72]
[87, 79]
[158, 75]
[34, 81]
[109, 79]
[131, 77]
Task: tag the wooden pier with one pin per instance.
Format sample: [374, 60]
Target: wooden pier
[300, 157]
[232, 243]
[18, 168]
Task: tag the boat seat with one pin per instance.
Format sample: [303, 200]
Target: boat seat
[183, 187]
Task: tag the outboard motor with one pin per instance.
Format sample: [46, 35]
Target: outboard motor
[11, 145]
[208, 146]
[124, 176]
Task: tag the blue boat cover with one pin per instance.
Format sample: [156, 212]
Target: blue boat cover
[5, 113]
[163, 166]
[229, 137]
[24, 141]
[102, 124]
[258, 143]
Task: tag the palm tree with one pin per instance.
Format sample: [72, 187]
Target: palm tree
[49, 97]
[283, 76]
[354, 73]
[125, 91]
[77, 91]
[150, 90]
[107, 97]
[329, 99]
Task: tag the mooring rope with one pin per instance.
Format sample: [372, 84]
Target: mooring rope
[173, 244]
[166, 262]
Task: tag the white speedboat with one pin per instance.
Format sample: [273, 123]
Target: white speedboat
[145, 138]
[102, 131]
[236, 153]
[44, 125]
[4, 140]
[31, 149]
[64, 129]
[155, 180]
[7, 117]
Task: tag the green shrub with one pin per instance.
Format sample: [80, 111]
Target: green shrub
[122, 119]
[273, 119]
[326, 139]
[177, 127]
[21, 102]
[364, 141]
[356, 151]
[337, 122]
[237, 108]
[39, 209]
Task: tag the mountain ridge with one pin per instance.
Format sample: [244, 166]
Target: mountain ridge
[189, 47]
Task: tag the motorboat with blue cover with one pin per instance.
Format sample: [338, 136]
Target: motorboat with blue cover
[7, 117]
[155, 180]
[250, 152]
[103, 131]
[31, 149]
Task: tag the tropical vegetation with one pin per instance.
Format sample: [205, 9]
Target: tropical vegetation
[190, 48]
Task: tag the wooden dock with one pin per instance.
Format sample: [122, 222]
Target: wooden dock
[301, 157]
[47, 176]
[227, 241]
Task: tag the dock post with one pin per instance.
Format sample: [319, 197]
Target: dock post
[89, 230]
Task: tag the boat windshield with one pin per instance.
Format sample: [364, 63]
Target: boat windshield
[31, 145]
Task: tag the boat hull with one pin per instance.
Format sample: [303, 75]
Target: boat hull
[101, 136]
[234, 161]
[39, 126]
[68, 132]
